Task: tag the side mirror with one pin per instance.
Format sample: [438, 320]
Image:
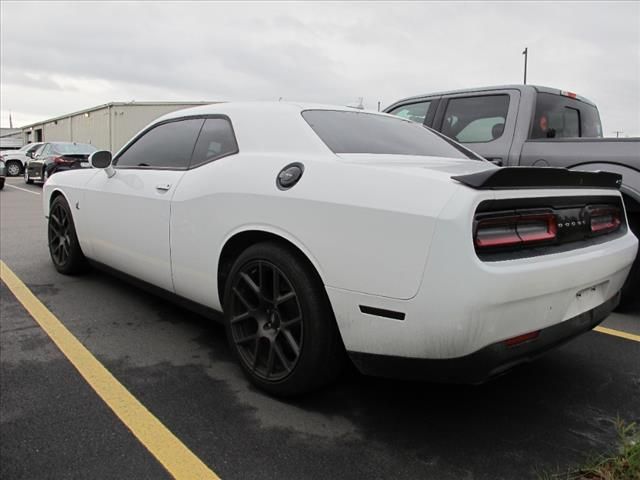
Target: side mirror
[29, 154]
[102, 160]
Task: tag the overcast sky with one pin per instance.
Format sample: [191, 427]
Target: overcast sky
[61, 57]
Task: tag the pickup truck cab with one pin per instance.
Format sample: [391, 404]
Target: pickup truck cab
[534, 126]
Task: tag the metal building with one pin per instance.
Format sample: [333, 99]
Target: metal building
[107, 127]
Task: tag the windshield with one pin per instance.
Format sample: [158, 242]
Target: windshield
[360, 132]
[71, 148]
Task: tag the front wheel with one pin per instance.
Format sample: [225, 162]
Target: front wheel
[27, 178]
[64, 247]
[279, 322]
[14, 168]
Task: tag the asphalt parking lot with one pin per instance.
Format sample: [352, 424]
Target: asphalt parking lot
[543, 416]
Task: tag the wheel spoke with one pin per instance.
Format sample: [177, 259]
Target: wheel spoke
[276, 284]
[256, 349]
[247, 339]
[292, 342]
[285, 298]
[291, 322]
[55, 218]
[251, 283]
[270, 358]
[241, 317]
[281, 356]
[242, 299]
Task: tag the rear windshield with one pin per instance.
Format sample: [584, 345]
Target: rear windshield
[360, 132]
[558, 116]
[71, 148]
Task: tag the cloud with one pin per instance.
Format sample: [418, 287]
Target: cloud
[81, 54]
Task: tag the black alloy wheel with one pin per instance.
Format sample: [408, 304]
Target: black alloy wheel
[266, 320]
[64, 248]
[280, 324]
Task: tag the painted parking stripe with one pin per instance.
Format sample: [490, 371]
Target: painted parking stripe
[21, 189]
[179, 461]
[618, 333]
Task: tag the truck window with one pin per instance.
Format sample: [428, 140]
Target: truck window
[476, 119]
[415, 111]
[558, 116]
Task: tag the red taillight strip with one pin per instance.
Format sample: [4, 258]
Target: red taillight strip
[517, 234]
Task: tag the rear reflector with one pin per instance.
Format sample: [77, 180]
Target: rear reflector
[512, 342]
[515, 230]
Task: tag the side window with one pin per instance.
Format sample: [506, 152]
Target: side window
[34, 148]
[216, 140]
[476, 119]
[169, 145]
[44, 150]
[416, 111]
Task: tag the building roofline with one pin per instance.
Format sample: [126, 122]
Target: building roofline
[113, 104]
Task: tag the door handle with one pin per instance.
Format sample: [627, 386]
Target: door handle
[163, 187]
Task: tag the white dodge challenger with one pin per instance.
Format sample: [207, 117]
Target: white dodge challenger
[320, 231]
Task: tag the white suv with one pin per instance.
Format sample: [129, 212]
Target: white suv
[15, 160]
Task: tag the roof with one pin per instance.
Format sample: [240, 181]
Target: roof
[518, 87]
[112, 104]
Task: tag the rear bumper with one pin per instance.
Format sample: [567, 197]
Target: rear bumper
[487, 362]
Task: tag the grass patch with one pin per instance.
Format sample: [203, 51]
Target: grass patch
[625, 465]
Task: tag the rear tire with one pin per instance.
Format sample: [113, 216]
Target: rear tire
[64, 247]
[279, 321]
[1, 183]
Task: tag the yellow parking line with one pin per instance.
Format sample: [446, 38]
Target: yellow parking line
[179, 461]
[618, 333]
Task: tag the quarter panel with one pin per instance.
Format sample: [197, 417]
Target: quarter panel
[367, 228]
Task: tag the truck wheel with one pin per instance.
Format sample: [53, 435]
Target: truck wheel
[279, 321]
[64, 247]
[14, 168]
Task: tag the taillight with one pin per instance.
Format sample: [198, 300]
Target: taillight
[515, 230]
[568, 94]
[62, 161]
[607, 219]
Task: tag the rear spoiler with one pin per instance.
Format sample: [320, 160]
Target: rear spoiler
[538, 177]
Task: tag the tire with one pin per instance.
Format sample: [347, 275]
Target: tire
[64, 248]
[285, 337]
[14, 168]
[27, 178]
[1, 183]
[45, 175]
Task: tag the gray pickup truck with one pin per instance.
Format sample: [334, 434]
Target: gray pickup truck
[525, 125]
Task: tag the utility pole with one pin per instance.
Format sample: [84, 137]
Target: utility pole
[378, 105]
[617, 132]
[525, 53]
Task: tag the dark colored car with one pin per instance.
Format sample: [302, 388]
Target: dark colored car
[3, 174]
[53, 157]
